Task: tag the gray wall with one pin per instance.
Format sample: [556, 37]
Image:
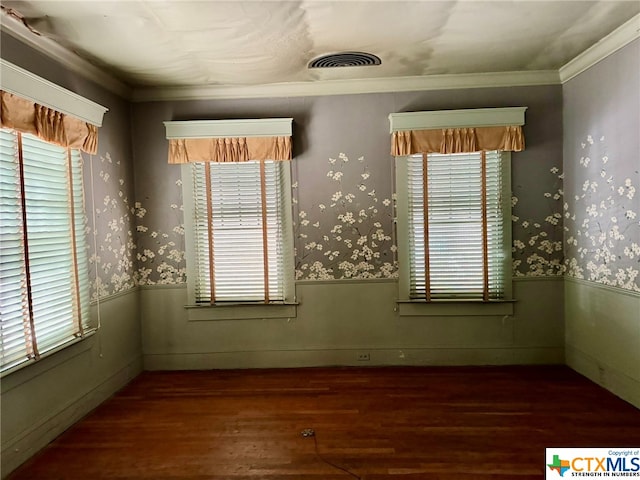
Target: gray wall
[350, 134]
[348, 300]
[41, 401]
[602, 219]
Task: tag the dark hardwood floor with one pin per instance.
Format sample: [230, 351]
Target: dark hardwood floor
[439, 423]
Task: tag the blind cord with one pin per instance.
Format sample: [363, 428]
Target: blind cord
[94, 232]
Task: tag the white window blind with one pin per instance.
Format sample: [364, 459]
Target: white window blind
[44, 287]
[458, 243]
[239, 220]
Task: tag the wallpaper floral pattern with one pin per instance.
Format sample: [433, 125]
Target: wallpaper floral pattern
[602, 218]
[124, 252]
[161, 257]
[350, 235]
[110, 237]
[537, 242]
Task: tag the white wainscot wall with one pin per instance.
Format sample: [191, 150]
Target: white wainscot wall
[603, 336]
[337, 321]
[42, 400]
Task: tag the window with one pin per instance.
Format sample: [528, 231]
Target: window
[238, 226]
[44, 287]
[454, 208]
[457, 225]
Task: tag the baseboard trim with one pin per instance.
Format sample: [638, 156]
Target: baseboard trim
[19, 449]
[618, 383]
[349, 357]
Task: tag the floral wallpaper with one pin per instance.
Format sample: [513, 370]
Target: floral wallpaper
[582, 221]
[602, 240]
[110, 238]
[350, 234]
[124, 251]
[537, 241]
[161, 255]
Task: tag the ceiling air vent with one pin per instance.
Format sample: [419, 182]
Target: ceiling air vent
[345, 59]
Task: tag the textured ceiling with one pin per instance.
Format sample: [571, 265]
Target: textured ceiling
[183, 43]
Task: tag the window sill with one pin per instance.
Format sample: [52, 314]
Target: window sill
[29, 369]
[455, 308]
[240, 311]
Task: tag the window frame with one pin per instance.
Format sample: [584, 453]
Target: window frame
[31, 87]
[437, 120]
[80, 322]
[242, 309]
[445, 306]
[188, 130]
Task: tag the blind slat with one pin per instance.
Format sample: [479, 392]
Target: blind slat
[238, 230]
[51, 186]
[455, 225]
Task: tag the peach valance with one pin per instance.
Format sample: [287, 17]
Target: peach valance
[48, 124]
[229, 149]
[457, 140]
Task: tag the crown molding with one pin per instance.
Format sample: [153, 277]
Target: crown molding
[613, 42]
[64, 56]
[620, 37]
[350, 86]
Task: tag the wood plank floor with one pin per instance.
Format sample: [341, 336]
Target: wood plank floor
[440, 423]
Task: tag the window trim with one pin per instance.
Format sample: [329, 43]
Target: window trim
[82, 322]
[473, 117]
[240, 311]
[455, 308]
[237, 310]
[25, 84]
[51, 358]
[263, 127]
[28, 86]
[412, 307]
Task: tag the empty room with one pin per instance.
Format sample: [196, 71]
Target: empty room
[319, 239]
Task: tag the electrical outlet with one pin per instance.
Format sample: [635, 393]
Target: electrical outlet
[364, 357]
